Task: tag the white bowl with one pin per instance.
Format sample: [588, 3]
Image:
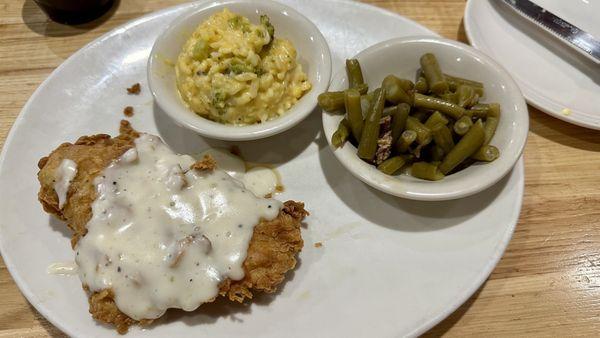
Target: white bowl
[313, 54]
[401, 58]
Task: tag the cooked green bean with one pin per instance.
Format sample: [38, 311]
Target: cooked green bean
[466, 147]
[436, 121]
[370, 133]
[405, 84]
[423, 133]
[433, 103]
[341, 134]
[454, 82]
[489, 127]
[365, 104]
[421, 85]
[389, 111]
[421, 114]
[450, 97]
[466, 96]
[399, 116]
[354, 112]
[426, 171]
[486, 153]
[333, 101]
[436, 153]
[442, 137]
[355, 76]
[483, 110]
[391, 165]
[463, 125]
[394, 92]
[436, 118]
[407, 138]
[435, 78]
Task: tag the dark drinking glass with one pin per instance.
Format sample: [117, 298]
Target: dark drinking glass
[74, 11]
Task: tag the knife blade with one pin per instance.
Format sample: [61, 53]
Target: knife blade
[582, 41]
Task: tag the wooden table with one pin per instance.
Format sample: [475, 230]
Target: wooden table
[547, 283]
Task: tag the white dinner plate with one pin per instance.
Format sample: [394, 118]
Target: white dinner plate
[387, 267]
[553, 77]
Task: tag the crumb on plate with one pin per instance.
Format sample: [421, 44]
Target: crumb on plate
[128, 111]
[134, 89]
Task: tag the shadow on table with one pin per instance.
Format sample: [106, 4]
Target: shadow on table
[39, 22]
[461, 34]
[441, 328]
[562, 132]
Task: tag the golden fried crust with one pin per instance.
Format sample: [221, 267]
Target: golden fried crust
[92, 154]
[271, 253]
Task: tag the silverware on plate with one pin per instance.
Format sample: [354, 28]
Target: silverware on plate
[582, 41]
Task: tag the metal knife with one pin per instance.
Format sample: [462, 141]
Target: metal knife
[584, 42]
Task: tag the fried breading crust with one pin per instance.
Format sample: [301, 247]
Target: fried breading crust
[271, 253]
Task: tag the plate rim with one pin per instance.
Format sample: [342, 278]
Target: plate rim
[532, 96]
[418, 330]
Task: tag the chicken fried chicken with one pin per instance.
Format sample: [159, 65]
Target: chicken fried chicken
[271, 253]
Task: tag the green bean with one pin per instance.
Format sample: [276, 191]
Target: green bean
[477, 113]
[450, 97]
[405, 84]
[354, 112]
[490, 109]
[483, 110]
[436, 153]
[421, 114]
[399, 116]
[341, 134]
[463, 125]
[454, 82]
[489, 127]
[433, 103]
[421, 85]
[391, 165]
[362, 88]
[466, 96]
[355, 76]
[436, 118]
[466, 147]
[433, 74]
[408, 158]
[407, 138]
[394, 92]
[442, 137]
[365, 103]
[486, 153]
[333, 101]
[423, 133]
[426, 171]
[370, 133]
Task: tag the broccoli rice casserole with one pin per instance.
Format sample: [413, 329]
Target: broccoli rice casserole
[234, 72]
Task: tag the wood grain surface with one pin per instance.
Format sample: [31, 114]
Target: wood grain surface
[547, 283]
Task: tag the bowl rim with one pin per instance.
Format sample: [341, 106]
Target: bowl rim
[402, 187]
[215, 130]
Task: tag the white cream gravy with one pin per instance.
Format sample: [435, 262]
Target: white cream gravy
[162, 236]
[65, 173]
